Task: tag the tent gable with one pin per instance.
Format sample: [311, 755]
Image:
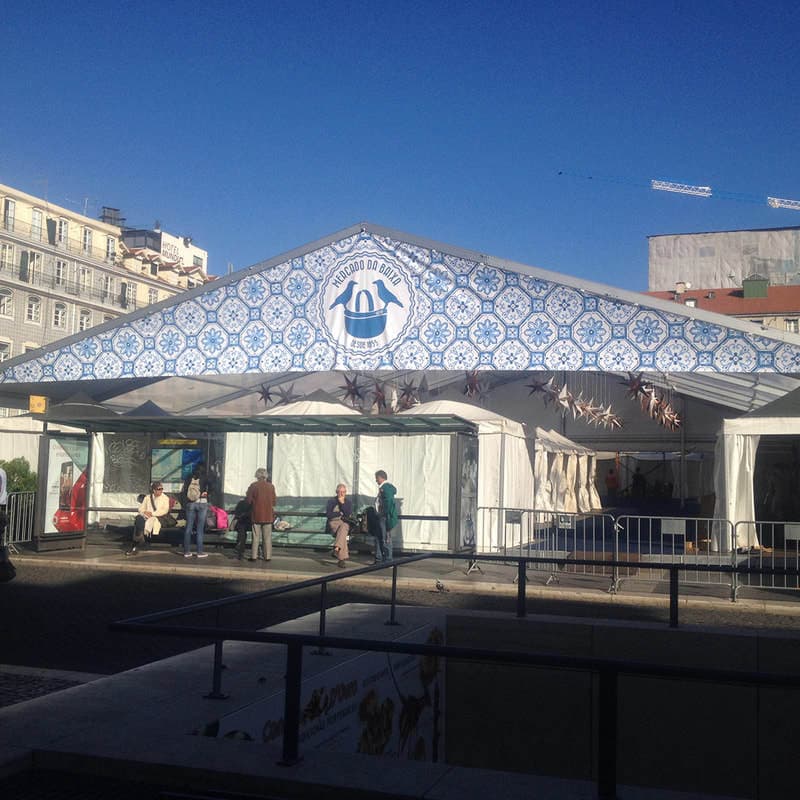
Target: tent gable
[373, 299]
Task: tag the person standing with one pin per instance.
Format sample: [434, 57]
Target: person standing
[194, 498]
[386, 508]
[612, 486]
[337, 511]
[262, 498]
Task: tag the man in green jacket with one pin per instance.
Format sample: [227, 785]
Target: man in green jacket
[386, 508]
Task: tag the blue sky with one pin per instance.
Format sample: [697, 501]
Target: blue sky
[257, 127]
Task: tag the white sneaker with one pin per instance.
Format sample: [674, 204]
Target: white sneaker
[187, 555]
[202, 555]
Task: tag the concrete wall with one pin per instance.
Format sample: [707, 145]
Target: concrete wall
[692, 736]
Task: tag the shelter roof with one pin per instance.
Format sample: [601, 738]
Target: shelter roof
[336, 424]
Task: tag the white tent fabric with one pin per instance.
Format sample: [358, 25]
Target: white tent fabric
[734, 464]
[318, 403]
[594, 495]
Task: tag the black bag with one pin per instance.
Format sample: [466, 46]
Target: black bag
[168, 521]
[7, 570]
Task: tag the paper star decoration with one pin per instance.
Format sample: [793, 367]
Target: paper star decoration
[352, 391]
[265, 393]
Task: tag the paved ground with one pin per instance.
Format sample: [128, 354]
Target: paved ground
[57, 610]
[56, 615]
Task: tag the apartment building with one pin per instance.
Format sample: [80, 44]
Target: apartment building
[62, 272]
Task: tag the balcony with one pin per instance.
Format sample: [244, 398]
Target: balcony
[46, 235]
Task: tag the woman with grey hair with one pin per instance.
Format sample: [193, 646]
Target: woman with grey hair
[262, 499]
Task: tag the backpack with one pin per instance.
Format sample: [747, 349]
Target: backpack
[193, 490]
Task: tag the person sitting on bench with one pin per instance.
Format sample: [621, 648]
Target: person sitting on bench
[153, 507]
[339, 512]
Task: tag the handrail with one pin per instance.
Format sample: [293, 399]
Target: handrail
[608, 670]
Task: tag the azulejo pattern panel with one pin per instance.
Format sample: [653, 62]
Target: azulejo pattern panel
[371, 302]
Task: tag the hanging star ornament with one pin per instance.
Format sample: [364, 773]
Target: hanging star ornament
[286, 396]
[379, 397]
[352, 391]
[472, 386]
[265, 393]
[408, 396]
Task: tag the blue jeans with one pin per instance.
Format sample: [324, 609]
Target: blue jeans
[383, 543]
[195, 518]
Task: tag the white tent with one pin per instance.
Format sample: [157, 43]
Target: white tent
[302, 465]
[518, 470]
[734, 465]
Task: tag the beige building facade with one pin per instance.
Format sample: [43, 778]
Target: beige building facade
[62, 272]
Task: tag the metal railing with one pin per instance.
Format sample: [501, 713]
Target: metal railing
[607, 670]
[46, 234]
[20, 510]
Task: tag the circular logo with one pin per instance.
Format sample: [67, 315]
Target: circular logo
[366, 302]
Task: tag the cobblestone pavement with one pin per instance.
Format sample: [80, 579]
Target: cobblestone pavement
[18, 684]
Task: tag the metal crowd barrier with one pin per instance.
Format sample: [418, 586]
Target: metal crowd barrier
[777, 549]
[700, 541]
[20, 512]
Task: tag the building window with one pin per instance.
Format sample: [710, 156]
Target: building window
[30, 266]
[190, 284]
[6, 303]
[792, 325]
[691, 302]
[62, 231]
[36, 224]
[108, 287]
[33, 310]
[86, 240]
[9, 212]
[84, 279]
[5, 351]
[130, 294]
[757, 321]
[61, 272]
[6, 256]
[152, 296]
[107, 317]
[59, 315]
[84, 319]
[154, 269]
[111, 248]
[197, 261]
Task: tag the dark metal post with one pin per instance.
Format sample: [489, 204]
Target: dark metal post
[216, 688]
[291, 708]
[521, 580]
[393, 612]
[607, 735]
[673, 597]
[323, 604]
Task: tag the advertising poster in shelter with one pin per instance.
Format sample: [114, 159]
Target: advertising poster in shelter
[65, 504]
[375, 704]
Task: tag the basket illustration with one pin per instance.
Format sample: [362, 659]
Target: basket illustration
[367, 323]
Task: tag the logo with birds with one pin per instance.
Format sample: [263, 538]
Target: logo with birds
[366, 302]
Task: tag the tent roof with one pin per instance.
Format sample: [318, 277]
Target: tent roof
[725, 360]
[486, 420]
[318, 403]
[780, 417]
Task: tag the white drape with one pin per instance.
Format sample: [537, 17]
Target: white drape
[543, 500]
[584, 501]
[594, 495]
[569, 499]
[734, 466]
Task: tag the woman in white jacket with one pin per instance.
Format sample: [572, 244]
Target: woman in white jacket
[147, 523]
